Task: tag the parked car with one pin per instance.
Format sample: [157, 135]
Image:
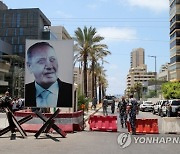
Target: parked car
[158, 106]
[163, 109]
[170, 108]
[110, 99]
[146, 106]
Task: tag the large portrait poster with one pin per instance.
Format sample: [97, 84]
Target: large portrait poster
[49, 73]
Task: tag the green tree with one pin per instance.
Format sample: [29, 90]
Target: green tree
[138, 89]
[98, 52]
[85, 40]
[102, 82]
[83, 100]
[171, 90]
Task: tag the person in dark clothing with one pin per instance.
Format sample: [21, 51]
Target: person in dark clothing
[94, 103]
[113, 106]
[133, 110]
[6, 102]
[122, 106]
[105, 105]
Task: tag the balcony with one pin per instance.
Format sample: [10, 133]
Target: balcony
[3, 83]
[4, 66]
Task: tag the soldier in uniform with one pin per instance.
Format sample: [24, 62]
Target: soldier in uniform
[133, 110]
[94, 103]
[122, 106]
[6, 102]
[113, 106]
[105, 105]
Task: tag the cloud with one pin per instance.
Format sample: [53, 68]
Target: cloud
[117, 34]
[154, 5]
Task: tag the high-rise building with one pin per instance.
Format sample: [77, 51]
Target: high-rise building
[174, 66]
[163, 74]
[17, 25]
[138, 71]
[5, 49]
[3, 6]
[137, 57]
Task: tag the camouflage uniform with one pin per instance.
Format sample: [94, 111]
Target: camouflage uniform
[132, 114]
[105, 105]
[6, 103]
[122, 112]
[113, 106]
[94, 103]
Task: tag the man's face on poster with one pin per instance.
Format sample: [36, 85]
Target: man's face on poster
[44, 65]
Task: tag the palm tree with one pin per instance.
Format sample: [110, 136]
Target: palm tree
[85, 39]
[98, 52]
[138, 89]
[102, 82]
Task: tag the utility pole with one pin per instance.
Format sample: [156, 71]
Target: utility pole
[155, 74]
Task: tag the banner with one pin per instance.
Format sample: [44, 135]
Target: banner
[49, 73]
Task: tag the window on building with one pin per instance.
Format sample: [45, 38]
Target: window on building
[6, 32]
[175, 59]
[18, 20]
[13, 22]
[20, 48]
[15, 49]
[15, 33]
[21, 31]
[4, 20]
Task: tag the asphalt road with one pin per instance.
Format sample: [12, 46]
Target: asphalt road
[91, 142]
[81, 143]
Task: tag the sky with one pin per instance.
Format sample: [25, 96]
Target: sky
[125, 25]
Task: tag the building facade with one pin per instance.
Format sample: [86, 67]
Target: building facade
[17, 25]
[137, 57]
[5, 49]
[78, 78]
[174, 66]
[138, 72]
[164, 74]
[59, 32]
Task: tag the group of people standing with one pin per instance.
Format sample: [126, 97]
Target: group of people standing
[14, 104]
[126, 108]
[105, 105]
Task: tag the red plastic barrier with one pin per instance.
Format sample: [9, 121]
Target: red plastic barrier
[145, 126]
[103, 123]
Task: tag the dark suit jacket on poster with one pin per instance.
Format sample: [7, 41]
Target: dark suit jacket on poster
[64, 95]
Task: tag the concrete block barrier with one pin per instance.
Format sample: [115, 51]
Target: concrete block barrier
[171, 125]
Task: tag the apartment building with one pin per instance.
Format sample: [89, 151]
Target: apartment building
[174, 66]
[138, 71]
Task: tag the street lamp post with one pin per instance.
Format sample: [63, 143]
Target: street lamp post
[155, 74]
